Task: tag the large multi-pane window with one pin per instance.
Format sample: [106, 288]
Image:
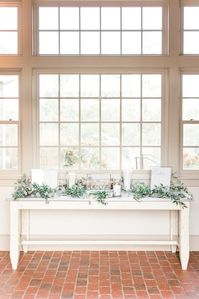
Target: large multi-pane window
[104, 121]
[8, 30]
[190, 119]
[100, 30]
[9, 110]
[191, 29]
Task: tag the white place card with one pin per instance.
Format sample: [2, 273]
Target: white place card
[47, 176]
[160, 175]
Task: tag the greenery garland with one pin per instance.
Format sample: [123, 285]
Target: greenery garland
[177, 192]
[75, 191]
[24, 188]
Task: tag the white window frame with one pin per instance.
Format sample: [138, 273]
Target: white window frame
[163, 122]
[106, 3]
[186, 173]
[186, 3]
[18, 5]
[7, 173]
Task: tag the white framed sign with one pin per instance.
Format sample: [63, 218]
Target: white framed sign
[160, 175]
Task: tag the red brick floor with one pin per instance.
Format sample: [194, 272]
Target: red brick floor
[99, 274]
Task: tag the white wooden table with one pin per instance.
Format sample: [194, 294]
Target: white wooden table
[28, 204]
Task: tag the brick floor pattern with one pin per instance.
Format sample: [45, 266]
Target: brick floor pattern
[99, 274]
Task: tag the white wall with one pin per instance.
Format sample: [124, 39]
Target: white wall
[97, 223]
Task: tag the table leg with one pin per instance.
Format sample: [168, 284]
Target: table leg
[184, 236]
[14, 234]
[26, 227]
[172, 230]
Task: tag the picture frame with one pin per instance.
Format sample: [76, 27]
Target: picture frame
[160, 175]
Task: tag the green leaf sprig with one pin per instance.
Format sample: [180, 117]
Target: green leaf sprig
[23, 187]
[75, 191]
[43, 190]
[101, 196]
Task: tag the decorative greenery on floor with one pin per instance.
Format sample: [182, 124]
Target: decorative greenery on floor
[177, 192]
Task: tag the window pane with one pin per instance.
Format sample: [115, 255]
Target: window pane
[69, 134]
[89, 134]
[110, 18]
[69, 110]
[151, 134]
[90, 158]
[191, 158]
[90, 43]
[9, 109]
[151, 85]
[110, 42]
[110, 110]
[8, 135]
[130, 134]
[8, 158]
[131, 85]
[151, 157]
[48, 110]
[48, 85]
[131, 18]
[48, 134]
[191, 135]
[130, 158]
[110, 158]
[152, 42]
[69, 18]
[90, 18]
[106, 120]
[130, 110]
[48, 18]
[48, 43]
[110, 86]
[69, 86]
[191, 20]
[190, 109]
[8, 18]
[90, 86]
[8, 43]
[110, 134]
[190, 44]
[49, 158]
[69, 43]
[131, 43]
[9, 86]
[90, 110]
[152, 18]
[190, 86]
[151, 110]
[69, 158]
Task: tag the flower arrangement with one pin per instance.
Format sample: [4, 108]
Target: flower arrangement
[70, 158]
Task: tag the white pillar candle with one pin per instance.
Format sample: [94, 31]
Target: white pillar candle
[71, 179]
[117, 190]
